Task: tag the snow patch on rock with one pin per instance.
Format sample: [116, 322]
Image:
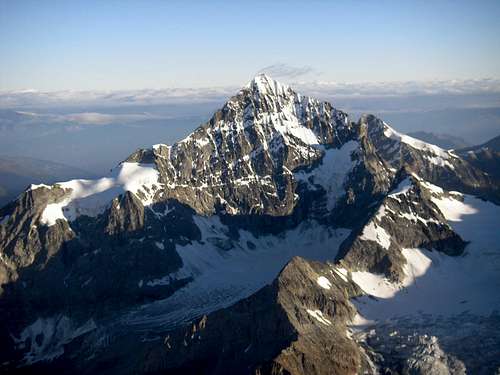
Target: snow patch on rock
[453, 209]
[341, 272]
[433, 153]
[331, 174]
[318, 315]
[46, 337]
[402, 188]
[374, 285]
[374, 232]
[92, 197]
[324, 282]
[454, 284]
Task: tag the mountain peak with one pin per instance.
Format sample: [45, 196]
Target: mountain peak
[264, 84]
[262, 78]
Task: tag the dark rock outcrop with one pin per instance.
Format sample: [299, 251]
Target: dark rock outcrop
[292, 326]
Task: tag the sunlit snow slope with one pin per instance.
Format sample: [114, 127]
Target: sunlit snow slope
[439, 284]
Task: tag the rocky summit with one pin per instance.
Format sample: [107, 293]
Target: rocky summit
[280, 237]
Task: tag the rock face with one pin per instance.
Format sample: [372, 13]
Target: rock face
[485, 157]
[405, 218]
[427, 161]
[241, 161]
[170, 264]
[295, 325]
[421, 353]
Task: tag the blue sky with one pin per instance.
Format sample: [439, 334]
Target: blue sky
[59, 45]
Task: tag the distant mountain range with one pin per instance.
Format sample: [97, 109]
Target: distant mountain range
[279, 237]
[485, 157]
[17, 173]
[446, 141]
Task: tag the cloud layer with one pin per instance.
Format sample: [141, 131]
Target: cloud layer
[83, 118]
[319, 89]
[406, 88]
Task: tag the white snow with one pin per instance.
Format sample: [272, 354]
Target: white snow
[439, 161]
[159, 145]
[453, 209]
[286, 116]
[92, 197]
[223, 277]
[440, 157]
[266, 85]
[402, 188]
[435, 190]
[46, 337]
[35, 186]
[52, 213]
[413, 217]
[374, 285]
[342, 272]
[331, 173]
[306, 135]
[324, 282]
[318, 315]
[417, 264]
[439, 284]
[360, 321]
[413, 142]
[374, 232]
[381, 212]
[287, 123]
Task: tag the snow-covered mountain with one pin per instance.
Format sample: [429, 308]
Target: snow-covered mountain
[185, 259]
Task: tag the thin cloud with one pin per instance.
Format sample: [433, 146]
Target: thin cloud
[287, 71]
